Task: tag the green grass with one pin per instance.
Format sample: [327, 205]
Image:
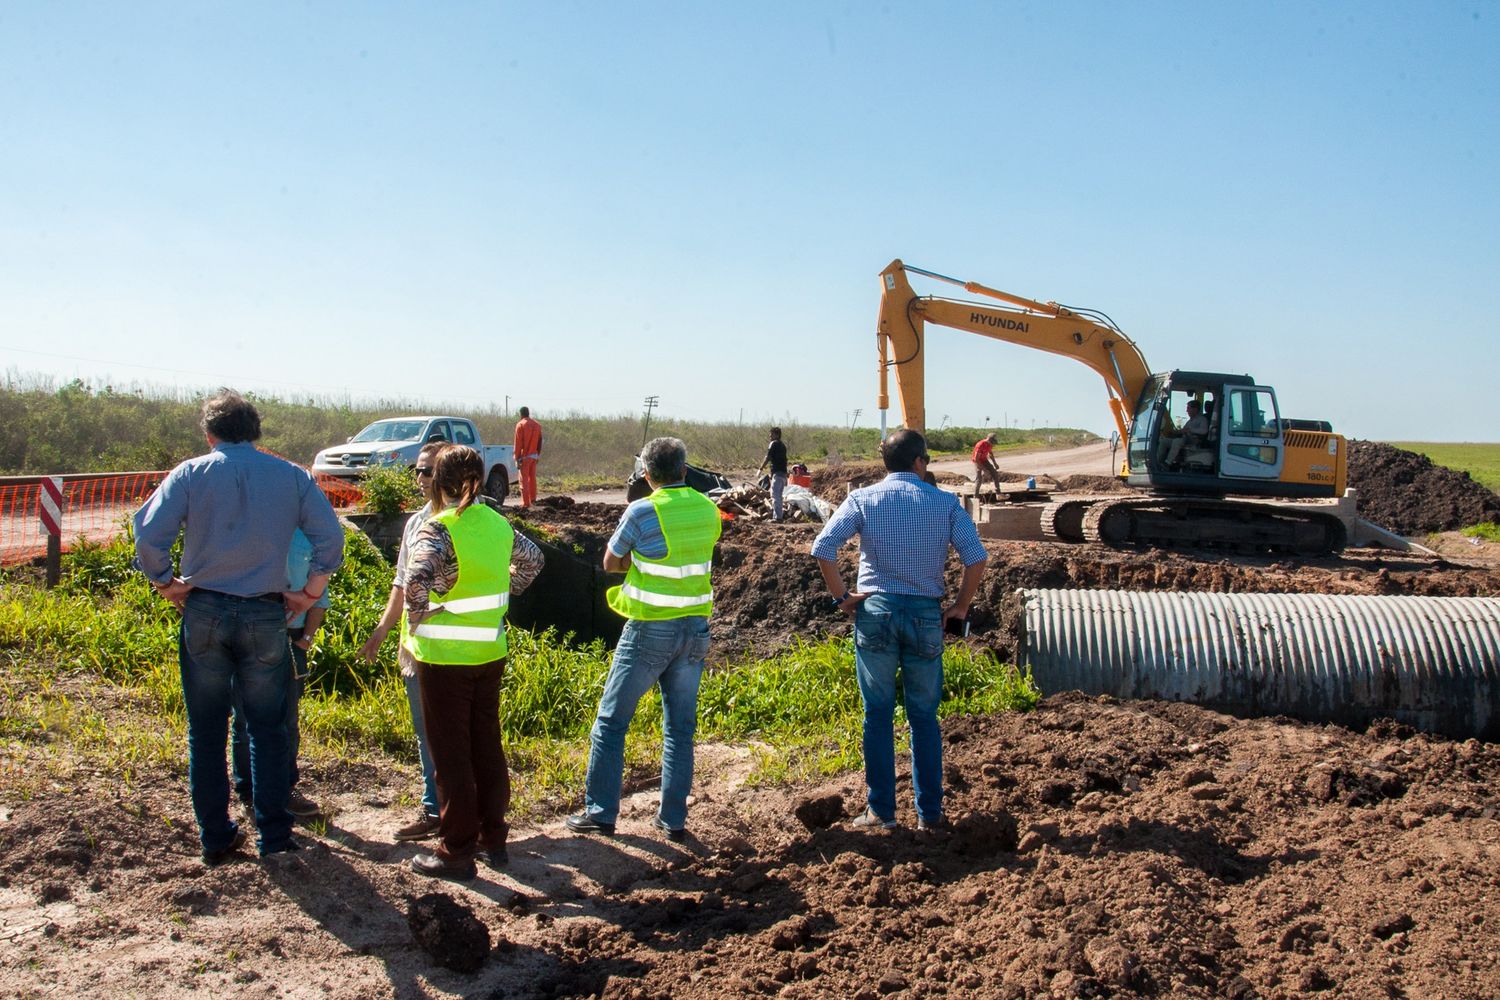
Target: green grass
[105, 627]
[1480, 461]
[1488, 530]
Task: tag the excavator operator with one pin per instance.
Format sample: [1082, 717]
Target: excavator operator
[1190, 437]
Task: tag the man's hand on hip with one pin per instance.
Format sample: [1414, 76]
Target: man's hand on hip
[850, 602]
[175, 592]
[297, 601]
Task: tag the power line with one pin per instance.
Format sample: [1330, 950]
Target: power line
[651, 402]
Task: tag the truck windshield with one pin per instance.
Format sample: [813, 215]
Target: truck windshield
[391, 430]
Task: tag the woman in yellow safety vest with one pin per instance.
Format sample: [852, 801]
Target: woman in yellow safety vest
[464, 566]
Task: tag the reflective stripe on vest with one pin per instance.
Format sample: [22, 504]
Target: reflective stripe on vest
[675, 572]
[466, 625]
[466, 604]
[665, 600]
[679, 584]
[459, 633]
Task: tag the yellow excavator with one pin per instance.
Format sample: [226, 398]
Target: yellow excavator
[1209, 452]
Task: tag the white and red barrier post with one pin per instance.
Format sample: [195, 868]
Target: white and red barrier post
[50, 507]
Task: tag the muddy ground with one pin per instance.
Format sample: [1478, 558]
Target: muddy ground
[1097, 848]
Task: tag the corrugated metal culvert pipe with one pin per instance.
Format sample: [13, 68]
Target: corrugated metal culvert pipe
[1430, 662]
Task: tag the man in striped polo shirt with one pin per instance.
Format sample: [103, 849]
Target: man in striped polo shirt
[905, 527]
[664, 544]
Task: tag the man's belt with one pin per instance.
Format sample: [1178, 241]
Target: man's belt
[274, 597]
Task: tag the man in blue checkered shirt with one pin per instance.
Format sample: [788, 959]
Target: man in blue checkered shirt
[905, 527]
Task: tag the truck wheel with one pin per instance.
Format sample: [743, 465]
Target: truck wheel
[497, 485]
[637, 488]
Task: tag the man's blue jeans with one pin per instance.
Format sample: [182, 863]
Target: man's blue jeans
[236, 648]
[899, 632]
[239, 740]
[669, 653]
[429, 773]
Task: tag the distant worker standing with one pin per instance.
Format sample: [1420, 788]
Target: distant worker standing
[528, 448]
[776, 459]
[905, 528]
[236, 508]
[665, 545]
[984, 464]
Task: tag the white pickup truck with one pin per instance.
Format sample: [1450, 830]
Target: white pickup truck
[397, 440]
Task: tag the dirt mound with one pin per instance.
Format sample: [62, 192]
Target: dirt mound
[1410, 495]
[1094, 849]
[1092, 484]
[833, 482]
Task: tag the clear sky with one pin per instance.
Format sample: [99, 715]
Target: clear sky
[576, 205]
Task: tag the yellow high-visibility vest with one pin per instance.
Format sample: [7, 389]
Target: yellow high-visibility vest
[470, 626]
[678, 585]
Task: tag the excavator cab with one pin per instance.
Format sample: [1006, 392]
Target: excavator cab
[1200, 432]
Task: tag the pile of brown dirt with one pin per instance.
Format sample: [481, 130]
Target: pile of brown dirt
[1410, 495]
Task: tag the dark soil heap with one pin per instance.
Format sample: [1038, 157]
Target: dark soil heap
[1410, 495]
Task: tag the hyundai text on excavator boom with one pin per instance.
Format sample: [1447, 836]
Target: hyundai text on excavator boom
[1209, 451]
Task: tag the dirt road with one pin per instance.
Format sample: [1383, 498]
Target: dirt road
[1089, 460]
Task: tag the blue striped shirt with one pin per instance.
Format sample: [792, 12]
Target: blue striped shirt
[905, 528]
[640, 529]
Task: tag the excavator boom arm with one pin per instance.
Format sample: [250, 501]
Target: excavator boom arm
[1044, 326]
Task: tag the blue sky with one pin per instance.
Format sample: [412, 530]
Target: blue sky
[578, 205]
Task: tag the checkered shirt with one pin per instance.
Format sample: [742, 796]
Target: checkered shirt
[905, 528]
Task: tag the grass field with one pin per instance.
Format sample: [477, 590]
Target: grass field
[1480, 461]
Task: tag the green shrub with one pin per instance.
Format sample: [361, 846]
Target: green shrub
[1488, 530]
[390, 489]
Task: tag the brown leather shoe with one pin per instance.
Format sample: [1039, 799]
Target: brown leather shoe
[435, 867]
[302, 807]
[425, 826]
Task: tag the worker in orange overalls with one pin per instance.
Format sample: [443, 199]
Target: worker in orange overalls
[528, 447]
[984, 464]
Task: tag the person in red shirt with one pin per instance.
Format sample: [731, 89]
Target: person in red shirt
[984, 464]
[528, 447]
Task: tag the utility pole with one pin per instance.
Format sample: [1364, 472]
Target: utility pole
[854, 421]
[651, 403]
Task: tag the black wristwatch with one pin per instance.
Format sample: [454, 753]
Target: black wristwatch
[834, 602]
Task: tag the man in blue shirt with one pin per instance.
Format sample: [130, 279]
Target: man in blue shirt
[236, 508]
[905, 527]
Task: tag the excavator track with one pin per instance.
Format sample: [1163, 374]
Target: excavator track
[1062, 520]
[1231, 525]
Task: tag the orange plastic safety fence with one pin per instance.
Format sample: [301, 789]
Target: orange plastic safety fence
[96, 508]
